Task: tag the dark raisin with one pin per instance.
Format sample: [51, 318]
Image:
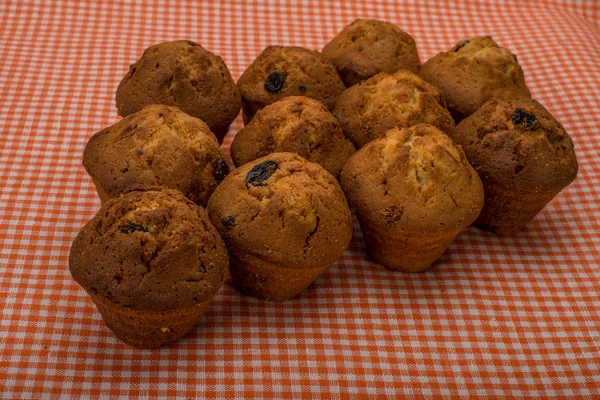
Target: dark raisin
[302, 89]
[275, 81]
[132, 227]
[201, 268]
[461, 44]
[523, 118]
[220, 169]
[261, 172]
[229, 221]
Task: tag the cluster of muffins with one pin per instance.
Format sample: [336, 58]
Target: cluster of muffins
[420, 152]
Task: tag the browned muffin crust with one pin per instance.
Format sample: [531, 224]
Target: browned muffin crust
[523, 155]
[473, 72]
[402, 99]
[367, 47]
[159, 145]
[185, 75]
[149, 249]
[281, 71]
[283, 210]
[414, 179]
[294, 124]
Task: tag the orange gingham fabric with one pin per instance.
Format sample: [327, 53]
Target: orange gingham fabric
[495, 317]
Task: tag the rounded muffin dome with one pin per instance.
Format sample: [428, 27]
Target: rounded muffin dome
[283, 209]
[367, 47]
[150, 249]
[159, 145]
[294, 124]
[185, 75]
[473, 72]
[368, 110]
[414, 178]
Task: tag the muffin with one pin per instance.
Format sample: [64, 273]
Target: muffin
[413, 191]
[367, 47]
[284, 220]
[159, 145]
[402, 99]
[473, 72]
[281, 71]
[185, 75]
[524, 158]
[298, 125]
[152, 262]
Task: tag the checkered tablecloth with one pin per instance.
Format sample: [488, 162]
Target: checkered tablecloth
[495, 317]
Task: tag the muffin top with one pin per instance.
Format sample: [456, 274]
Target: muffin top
[473, 72]
[284, 210]
[518, 144]
[159, 145]
[367, 47]
[402, 99]
[281, 71]
[150, 249]
[294, 124]
[413, 179]
[185, 75]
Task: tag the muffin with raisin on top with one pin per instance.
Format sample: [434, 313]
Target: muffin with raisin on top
[281, 71]
[285, 220]
[524, 157]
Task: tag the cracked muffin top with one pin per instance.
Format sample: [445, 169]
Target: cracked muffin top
[185, 75]
[284, 210]
[367, 47]
[473, 72]
[150, 249]
[400, 100]
[294, 124]
[413, 179]
[518, 144]
[159, 145]
[282, 71]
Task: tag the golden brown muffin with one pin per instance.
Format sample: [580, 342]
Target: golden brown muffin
[159, 145]
[152, 262]
[367, 47]
[185, 75]
[413, 192]
[285, 220]
[298, 125]
[473, 72]
[402, 99]
[524, 158]
[281, 71]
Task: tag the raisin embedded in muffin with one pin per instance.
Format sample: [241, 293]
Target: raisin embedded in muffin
[402, 99]
[152, 262]
[281, 71]
[294, 124]
[473, 72]
[524, 157]
[413, 191]
[185, 75]
[367, 47]
[159, 145]
[285, 220]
